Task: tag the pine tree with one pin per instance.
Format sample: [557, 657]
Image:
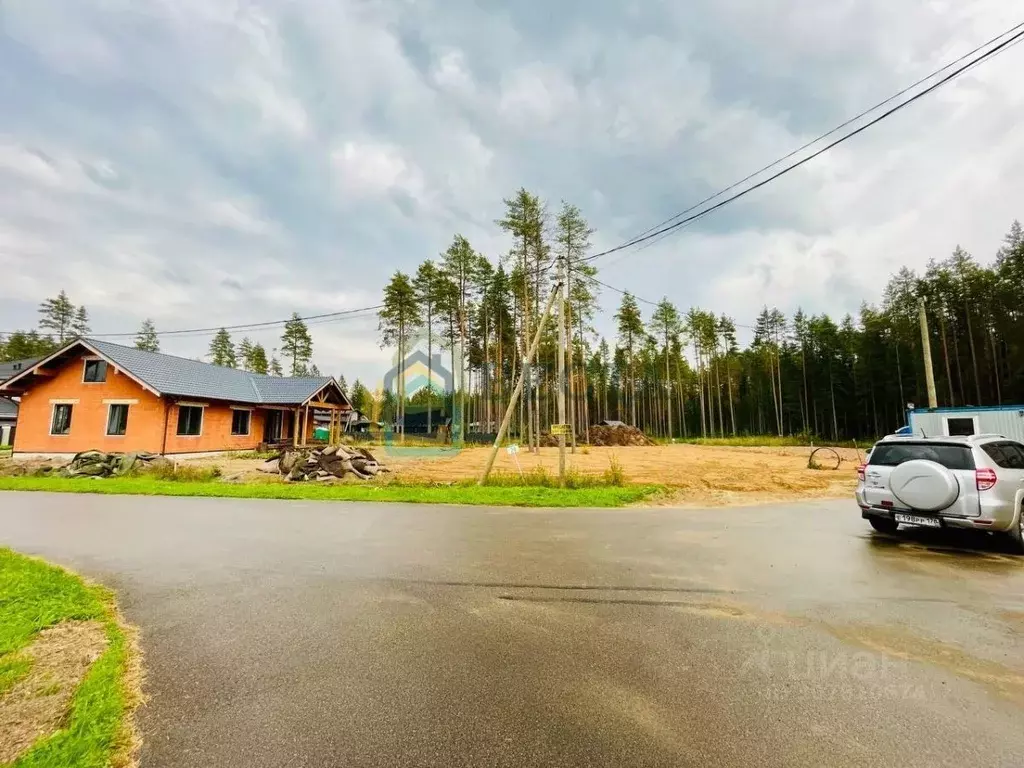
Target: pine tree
[58, 315]
[313, 371]
[399, 317]
[360, 397]
[343, 385]
[297, 344]
[244, 353]
[631, 330]
[274, 367]
[666, 326]
[258, 360]
[81, 323]
[222, 351]
[146, 339]
[426, 284]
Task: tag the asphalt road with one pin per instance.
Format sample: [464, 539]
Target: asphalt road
[318, 634]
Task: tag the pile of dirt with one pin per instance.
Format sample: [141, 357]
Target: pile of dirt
[324, 464]
[623, 435]
[100, 464]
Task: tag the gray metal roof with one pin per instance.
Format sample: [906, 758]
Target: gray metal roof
[12, 367]
[8, 408]
[182, 377]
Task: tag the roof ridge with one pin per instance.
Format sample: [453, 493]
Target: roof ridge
[161, 354]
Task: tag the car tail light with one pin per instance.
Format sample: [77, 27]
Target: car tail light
[985, 478]
[860, 471]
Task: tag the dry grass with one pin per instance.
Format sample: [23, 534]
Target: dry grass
[698, 475]
[36, 705]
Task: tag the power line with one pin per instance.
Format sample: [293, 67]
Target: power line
[638, 298]
[320, 319]
[661, 229]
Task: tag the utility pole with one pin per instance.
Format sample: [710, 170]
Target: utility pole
[561, 372]
[926, 346]
[503, 429]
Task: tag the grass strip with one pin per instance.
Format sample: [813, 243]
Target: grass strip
[462, 493]
[35, 595]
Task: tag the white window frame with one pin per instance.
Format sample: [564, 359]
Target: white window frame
[53, 416]
[202, 419]
[95, 359]
[945, 422]
[128, 413]
[248, 422]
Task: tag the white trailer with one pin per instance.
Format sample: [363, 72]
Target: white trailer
[1006, 420]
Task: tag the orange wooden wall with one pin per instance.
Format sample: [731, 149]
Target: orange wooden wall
[147, 417]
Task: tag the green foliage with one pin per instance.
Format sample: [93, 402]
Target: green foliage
[80, 325]
[22, 345]
[222, 351]
[58, 315]
[34, 596]
[274, 367]
[296, 344]
[146, 339]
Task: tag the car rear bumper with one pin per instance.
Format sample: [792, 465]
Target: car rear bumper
[974, 523]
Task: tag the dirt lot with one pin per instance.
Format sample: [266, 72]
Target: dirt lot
[698, 475]
[695, 475]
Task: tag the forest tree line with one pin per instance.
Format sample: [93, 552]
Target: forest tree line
[678, 372]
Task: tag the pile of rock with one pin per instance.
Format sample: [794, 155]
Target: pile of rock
[620, 435]
[100, 464]
[324, 464]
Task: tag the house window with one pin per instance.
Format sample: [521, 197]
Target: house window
[190, 420]
[95, 371]
[960, 426]
[61, 423]
[117, 419]
[240, 422]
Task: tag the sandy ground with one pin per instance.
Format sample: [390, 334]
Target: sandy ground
[695, 475]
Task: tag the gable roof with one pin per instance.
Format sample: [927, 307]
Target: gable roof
[182, 377]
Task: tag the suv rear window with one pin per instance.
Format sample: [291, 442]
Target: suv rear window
[949, 456]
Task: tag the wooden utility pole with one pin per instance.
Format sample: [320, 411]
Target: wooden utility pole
[503, 429]
[926, 347]
[561, 372]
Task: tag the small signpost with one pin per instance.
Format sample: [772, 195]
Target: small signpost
[513, 451]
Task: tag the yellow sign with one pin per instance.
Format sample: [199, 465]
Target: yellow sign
[560, 429]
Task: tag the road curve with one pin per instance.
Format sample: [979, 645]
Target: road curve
[319, 634]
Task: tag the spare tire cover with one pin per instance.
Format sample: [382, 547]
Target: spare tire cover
[924, 485]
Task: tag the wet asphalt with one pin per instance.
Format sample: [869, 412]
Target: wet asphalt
[328, 634]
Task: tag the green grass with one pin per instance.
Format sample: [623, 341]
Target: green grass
[515, 495]
[34, 596]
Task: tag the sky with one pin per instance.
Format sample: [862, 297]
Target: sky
[216, 162]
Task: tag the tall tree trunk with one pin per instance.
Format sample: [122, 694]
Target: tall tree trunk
[728, 383]
[945, 356]
[974, 356]
[995, 367]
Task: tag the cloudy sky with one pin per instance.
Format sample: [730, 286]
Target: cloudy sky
[207, 162]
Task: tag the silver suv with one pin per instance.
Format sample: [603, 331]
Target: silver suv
[937, 482]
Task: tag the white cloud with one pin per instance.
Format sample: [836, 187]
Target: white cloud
[233, 162]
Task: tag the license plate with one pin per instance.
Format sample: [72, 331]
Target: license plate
[930, 522]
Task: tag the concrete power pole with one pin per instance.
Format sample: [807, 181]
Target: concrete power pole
[926, 346]
[561, 372]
